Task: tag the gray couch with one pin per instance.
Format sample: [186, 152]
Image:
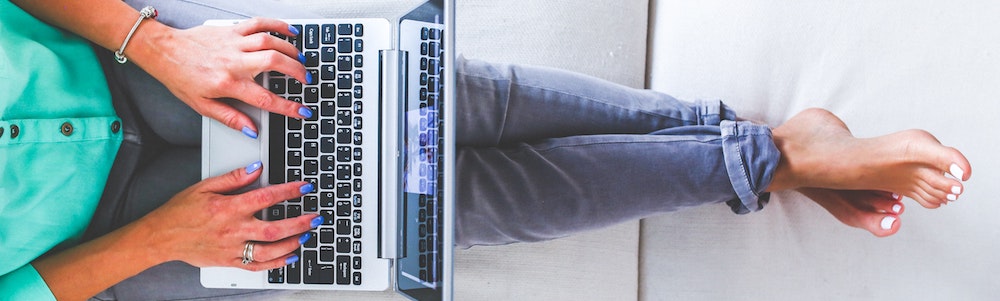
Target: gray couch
[601, 38]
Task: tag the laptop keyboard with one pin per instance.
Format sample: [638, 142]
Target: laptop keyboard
[324, 150]
[430, 91]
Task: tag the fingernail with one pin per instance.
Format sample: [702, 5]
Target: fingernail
[317, 221]
[307, 188]
[305, 237]
[956, 190]
[896, 208]
[291, 260]
[952, 197]
[957, 172]
[895, 196]
[249, 133]
[295, 31]
[887, 222]
[253, 167]
[302, 59]
[309, 75]
[305, 112]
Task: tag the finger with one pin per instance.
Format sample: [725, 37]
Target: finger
[256, 95]
[269, 231]
[232, 180]
[261, 198]
[258, 266]
[263, 41]
[272, 60]
[228, 116]
[270, 251]
[258, 24]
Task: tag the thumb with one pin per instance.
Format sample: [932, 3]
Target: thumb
[233, 180]
[228, 116]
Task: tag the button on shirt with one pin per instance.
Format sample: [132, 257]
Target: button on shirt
[56, 147]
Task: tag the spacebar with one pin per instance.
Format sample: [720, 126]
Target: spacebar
[276, 149]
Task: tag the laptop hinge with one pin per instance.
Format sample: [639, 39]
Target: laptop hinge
[392, 65]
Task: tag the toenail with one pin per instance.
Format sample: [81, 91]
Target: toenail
[952, 197]
[957, 172]
[887, 222]
[896, 208]
[956, 190]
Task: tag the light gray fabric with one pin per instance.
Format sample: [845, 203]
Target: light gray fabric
[883, 66]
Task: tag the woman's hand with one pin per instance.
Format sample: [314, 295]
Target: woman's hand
[204, 226]
[206, 63]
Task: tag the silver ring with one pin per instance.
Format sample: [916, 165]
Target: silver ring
[248, 253]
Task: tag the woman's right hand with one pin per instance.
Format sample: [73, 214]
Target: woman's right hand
[205, 226]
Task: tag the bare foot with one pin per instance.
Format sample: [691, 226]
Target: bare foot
[875, 211]
[817, 150]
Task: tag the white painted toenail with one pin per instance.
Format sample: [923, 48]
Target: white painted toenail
[887, 222]
[952, 197]
[896, 208]
[956, 190]
[957, 172]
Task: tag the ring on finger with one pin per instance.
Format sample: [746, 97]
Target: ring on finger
[248, 253]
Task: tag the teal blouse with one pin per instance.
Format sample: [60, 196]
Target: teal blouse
[58, 138]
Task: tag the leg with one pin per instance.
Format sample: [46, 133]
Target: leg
[504, 104]
[559, 186]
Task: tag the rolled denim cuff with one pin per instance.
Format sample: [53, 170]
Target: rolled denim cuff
[751, 159]
[713, 112]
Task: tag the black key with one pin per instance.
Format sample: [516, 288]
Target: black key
[294, 86]
[326, 253]
[311, 131]
[316, 273]
[327, 163]
[276, 275]
[357, 123]
[343, 172]
[423, 48]
[328, 54]
[359, 30]
[311, 36]
[294, 124]
[343, 208]
[343, 135]
[357, 169]
[296, 40]
[327, 144]
[358, 138]
[328, 127]
[276, 212]
[326, 235]
[344, 79]
[326, 200]
[294, 158]
[423, 79]
[358, 92]
[344, 117]
[425, 33]
[315, 75]
[327, 217]
[343, 154]
[293, 211]
[277, 149]
[357, 262]
[356, 247]
[343, 228]
[276, 85]
[359, 61]
[423, 63]
[328, 34]
[357, 200]
[356, 232]
[344, 99]
[328, 91]
[294, 272]
[432, 84]
[311, 148]
[344, 63]
[357, 278]
[344, 45]
[359, 45]
[327, 108]
[343, 190]
[358, 107]
[343, 244]
[343, 269]
[433, 49]
[344, 29]
[435, 34]
[311, 242]
[310, 203]
[326, 181]
[356, 217]
[357, 185]
[329, 72]
[358, 76]
[314, 115]
[294, 174]
[295, 140]
[311, 167]
[311, 95]
[312, 59]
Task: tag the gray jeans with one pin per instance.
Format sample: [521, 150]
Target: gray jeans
[542, 154]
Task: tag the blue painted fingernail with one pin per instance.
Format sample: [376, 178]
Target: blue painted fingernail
[317, 221]
[309, 76]
[291, 260]
[307, 188]
[295, 31]
[302, 59]
[249, 133]
[253, 167]
[305, 237]
[305, 112]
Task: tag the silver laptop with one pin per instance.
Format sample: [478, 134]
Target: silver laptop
[379, 149]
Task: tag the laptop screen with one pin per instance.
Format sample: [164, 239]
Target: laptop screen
[421, 268]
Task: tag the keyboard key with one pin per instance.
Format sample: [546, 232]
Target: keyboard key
[344, 99]
[344, 79]
[343, 243]
[343, 172]
[343, 154]
[326, 200]
[293, 211]
[327, 163]
[425, 33]
[343, 227]
[328, 34]
[359, 45]
[328, 91]
[343, 208]
[343, 269]
[356, 232]
[359, 61]
[345, 45]
[311, 131]
[276, 212]
[294, 174]
[329, 72]
[358, 92]
[328, 127]
[311, 149]
[359, 30]
[294, 158]
[294, 86]
[327, 145]
[344, 117]
[329, 54]
[356, 247]
[311, 36]
[344, 29]
[311, 167]
[312, 59]
[326, 253]
[276, 85]
[344, 63]
[276, 275]
[343, 189]
[326, 181]
[326, 235]
[327, 108]
[358, 76]
[293, 273]
[316, 273]
[310, 203]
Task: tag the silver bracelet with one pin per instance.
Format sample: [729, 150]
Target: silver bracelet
[146, 13]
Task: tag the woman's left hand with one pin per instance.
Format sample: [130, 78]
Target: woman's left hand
[203, 64]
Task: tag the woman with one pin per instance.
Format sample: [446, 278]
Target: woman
[535, 143]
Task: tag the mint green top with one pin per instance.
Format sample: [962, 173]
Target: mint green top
[51, 178]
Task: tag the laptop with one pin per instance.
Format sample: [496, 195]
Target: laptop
[379, 149]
